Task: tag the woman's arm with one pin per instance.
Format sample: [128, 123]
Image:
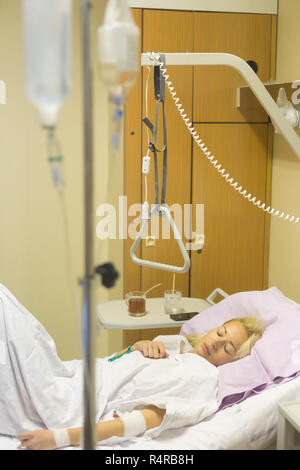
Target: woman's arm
[153, 418]
[152, 349]
[44, 440]
[133, 347]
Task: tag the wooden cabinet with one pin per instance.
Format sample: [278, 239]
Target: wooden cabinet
[235, 253]
[245, 35]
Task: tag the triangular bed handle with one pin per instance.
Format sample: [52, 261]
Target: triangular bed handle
[164, 211]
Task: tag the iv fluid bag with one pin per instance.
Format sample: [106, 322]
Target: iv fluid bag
[48, 57]
[118, 39]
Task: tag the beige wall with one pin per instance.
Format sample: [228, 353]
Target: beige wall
[32, 250]
[285, 238]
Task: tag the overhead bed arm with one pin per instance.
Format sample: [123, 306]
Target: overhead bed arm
[250, 77]
[261, 93]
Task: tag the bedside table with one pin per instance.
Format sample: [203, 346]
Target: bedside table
[288, 424]
[113, 315]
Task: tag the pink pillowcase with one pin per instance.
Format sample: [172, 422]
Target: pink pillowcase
[275, 357]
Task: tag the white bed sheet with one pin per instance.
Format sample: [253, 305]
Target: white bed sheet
[249, 425]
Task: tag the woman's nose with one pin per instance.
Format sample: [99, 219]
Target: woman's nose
[218, 343]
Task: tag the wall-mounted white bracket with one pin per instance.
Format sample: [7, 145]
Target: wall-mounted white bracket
[287, 109]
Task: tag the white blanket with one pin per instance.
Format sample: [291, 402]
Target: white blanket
[38, 390]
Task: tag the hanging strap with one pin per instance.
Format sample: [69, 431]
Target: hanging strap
[154, 150]
[159, 92]
[165, 162]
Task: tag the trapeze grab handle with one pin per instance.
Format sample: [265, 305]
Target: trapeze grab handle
[156, 265]
[164, 211]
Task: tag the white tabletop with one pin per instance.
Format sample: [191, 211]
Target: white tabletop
[291, 412]
[114, 315]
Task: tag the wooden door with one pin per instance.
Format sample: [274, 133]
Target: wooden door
[235, 253]
[233, 256]
[132, 166]
[169, 32]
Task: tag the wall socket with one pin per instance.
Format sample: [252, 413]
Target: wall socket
[199, 240]
[150, 241]
[198, 244]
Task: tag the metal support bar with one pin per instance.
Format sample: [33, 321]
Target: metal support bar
[89, 440]
[161, 211]
[249, 76]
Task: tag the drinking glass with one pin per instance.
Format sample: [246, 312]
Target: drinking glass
[136, 302]
[173, 302]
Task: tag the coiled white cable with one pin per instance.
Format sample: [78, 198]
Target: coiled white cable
[218, 166]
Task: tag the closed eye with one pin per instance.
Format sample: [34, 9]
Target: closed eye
[228, 346]
[232, 346]
[229, 349]
[221, 332]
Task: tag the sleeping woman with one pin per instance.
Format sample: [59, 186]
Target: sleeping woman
[166, 383]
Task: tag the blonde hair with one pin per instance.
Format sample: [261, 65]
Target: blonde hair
[254, 328]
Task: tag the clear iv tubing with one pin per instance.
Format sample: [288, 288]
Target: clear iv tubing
[55, 159]
[234, 184]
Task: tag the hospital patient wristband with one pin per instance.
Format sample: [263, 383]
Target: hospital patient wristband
[134, 423]
[62, 438]
[128, 350]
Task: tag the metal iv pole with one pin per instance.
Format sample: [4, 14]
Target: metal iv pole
[89, 440]
[106, 271]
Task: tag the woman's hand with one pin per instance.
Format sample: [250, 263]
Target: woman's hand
[38, 440]
[151, 349]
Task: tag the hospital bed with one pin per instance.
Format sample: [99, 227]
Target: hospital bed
[249, 425]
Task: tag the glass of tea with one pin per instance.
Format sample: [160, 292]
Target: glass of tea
[136, 302]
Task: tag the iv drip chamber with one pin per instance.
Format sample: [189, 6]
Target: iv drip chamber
[118, 40]
[47, 29]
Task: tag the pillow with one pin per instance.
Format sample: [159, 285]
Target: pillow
[274, 358]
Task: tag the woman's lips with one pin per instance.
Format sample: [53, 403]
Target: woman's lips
[206, 349]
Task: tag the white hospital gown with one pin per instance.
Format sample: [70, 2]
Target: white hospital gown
[184, 384]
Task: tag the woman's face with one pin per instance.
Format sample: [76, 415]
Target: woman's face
[220, 345]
